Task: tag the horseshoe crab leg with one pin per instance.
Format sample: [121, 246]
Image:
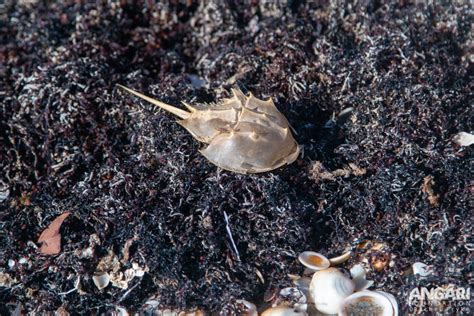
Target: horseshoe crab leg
[174, 110]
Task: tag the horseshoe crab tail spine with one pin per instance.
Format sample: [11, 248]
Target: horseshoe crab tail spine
[174, 110]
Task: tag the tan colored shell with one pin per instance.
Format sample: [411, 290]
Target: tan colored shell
[245, 134]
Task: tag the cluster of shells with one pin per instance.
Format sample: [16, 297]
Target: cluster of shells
[325, 289]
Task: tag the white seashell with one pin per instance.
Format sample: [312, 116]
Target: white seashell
[101, 280]
[358, 276]
[329, 288]
[463, 139]
[23, 261]
[369, 303]
[293, 294]
[303, 285]
[251, 308]
[340, 259]
[392, 300]
[121, 311]
[422, 269]
[314, 260]
[283, 310]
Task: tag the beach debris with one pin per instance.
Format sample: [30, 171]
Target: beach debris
[110, 270]
[121, 311]
[126, 249]
[318, 172]
[359, 278]
[61, 311]
[375, 253]
[369, 303]
[302, 283]
[283, 310]
[101, 280]
[340, 259]
[380, 261]
[463, 139]
[88, 252]
[25, 199]
[244, 134]
[288, 301]
[421, 269]
[6, 280]
[77, 287]
[329, 288]
[50, 238]
[249, 308]
[344, 115]
[314, 260]
[229, 232]
[292, 296]
[427, 188]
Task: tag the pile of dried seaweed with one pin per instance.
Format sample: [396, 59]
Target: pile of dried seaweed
[139, 192]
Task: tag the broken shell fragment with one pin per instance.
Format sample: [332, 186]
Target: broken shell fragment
[244, 134]
[340, 259]
[101, 280]
[314, 260]
[392, 300]
[358, 276]
[120, 311]
[293, 296]
[329, 288]
[303, 285]
[369, 303]
[463, 139]
[283, 310]
[422, 269]
[250, 308]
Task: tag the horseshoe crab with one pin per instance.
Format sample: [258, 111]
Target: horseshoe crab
[244, 134]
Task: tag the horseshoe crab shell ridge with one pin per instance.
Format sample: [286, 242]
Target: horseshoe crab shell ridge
[244, 134]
